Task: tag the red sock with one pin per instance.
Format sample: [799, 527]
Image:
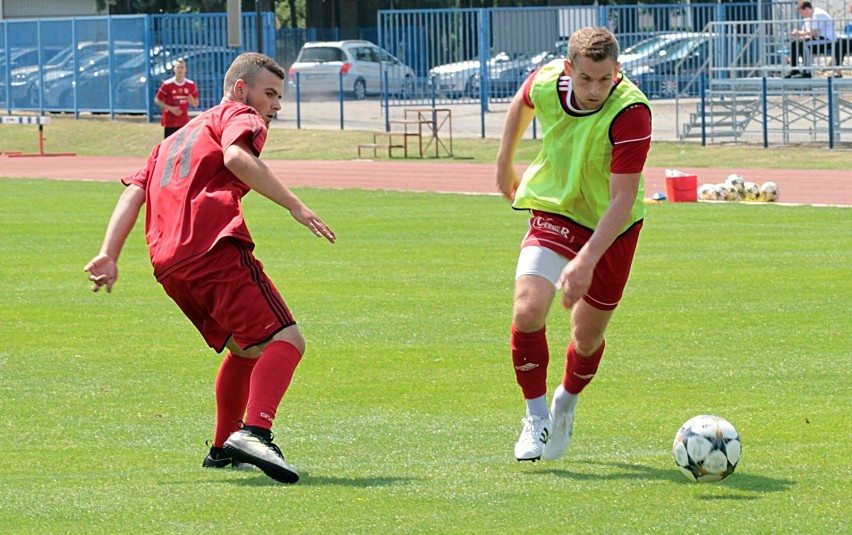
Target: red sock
[232, 389]
[579, 370]
[269, 382]
[530, 357]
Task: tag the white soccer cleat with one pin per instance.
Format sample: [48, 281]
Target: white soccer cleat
[563, 428]
[534, 436]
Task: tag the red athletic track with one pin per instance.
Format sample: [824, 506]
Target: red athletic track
[797, 186]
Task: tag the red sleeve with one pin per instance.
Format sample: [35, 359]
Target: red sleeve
[526, 88]
[140, 177]
[631, 139]
[245, 122]
[194, 91]
[161, 93]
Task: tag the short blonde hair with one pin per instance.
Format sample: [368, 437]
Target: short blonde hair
[247, 67]
[597, 44]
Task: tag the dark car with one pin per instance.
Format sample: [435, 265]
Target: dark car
[206, 67]
[88, 86]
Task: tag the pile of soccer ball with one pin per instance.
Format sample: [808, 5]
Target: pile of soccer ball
[707, 448]
[736, 188]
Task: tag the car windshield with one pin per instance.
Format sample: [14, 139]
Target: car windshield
[321, 54]
[648, 46]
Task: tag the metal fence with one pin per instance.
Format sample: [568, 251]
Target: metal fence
[483, 55]
[115, 64]
[747, 94]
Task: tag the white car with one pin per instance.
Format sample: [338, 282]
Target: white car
[506, 71]
[361, 65]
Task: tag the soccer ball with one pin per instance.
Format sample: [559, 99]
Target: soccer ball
[707, 192]
[752, 191]
[724, 192]
[769, 192]
[707, 448]
[736, 182]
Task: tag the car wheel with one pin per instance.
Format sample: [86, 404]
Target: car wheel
[407, 90]
[472, 87]
[360, 89]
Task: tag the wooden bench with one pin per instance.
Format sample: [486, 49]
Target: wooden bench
[388, 143]
[423, 124]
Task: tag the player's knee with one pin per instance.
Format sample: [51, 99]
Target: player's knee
[528, 317]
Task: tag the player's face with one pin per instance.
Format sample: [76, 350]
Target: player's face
[265, 95]
[180, 71]
[592, 81]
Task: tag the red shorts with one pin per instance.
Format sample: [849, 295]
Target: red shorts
[226, 293]
[565, 237]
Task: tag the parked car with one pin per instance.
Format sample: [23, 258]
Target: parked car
[25, 81]
[206, 67]
[361, 64]
[506, 72]
[91, 83]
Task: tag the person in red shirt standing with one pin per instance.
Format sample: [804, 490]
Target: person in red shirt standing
[201, 251]
[174, 97]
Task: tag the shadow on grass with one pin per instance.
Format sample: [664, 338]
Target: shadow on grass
[311, 481]
[614, 470]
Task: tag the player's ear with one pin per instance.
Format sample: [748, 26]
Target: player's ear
[568, 66]
[240, 89]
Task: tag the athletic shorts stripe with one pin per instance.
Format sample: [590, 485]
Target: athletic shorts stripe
[266, 289]
[225, 294]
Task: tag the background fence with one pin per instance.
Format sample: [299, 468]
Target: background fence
[460, 56]
[115, 64]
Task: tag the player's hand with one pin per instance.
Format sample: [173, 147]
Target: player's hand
[507, 182]
[103, 271]
[574, 282]
[176, 110]
[307, 217]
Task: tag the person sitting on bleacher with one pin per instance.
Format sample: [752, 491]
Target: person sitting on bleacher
[842, 47]
[816, 35]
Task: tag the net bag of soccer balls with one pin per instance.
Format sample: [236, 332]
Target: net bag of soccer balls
[737, 188]
[707, 448]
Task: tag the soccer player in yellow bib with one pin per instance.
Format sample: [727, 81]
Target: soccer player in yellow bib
[584, 192]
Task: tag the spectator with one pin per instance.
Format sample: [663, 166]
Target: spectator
[842, 47]
[816, 35]
[174, 97]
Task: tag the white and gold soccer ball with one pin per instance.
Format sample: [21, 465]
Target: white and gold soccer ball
[707, 192]
[769, 192]
[724, 192]
[736, 182]
[752, 191]
[707, 448]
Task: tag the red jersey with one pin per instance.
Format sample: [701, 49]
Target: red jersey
[175, 94]
[193, 200]
[630, 132]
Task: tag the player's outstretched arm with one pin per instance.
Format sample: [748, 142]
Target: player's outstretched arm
[518, 118]
[241, 161]
[103, 268]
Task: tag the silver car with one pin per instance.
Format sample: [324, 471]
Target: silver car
[360, 66]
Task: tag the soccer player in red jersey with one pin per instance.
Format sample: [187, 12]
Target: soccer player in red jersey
[201, 251]
[174, 97]
[585, 194]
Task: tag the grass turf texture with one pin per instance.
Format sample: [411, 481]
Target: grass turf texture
[101, 137]
[403, 414]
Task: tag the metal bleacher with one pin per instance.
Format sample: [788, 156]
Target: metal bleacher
[744, 96]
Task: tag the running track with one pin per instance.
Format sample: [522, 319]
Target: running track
[797, 186]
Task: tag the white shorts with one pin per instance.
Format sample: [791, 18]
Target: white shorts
[541, 261]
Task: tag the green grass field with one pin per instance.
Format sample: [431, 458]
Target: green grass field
[403, 414]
